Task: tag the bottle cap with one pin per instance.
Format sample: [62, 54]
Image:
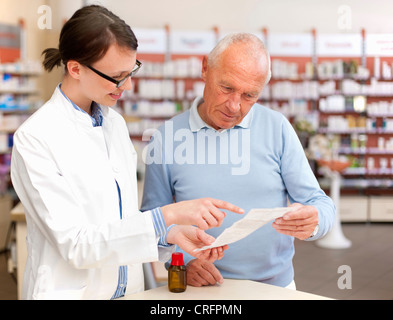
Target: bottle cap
[177, 259]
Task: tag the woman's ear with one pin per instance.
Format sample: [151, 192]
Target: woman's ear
[74, 69]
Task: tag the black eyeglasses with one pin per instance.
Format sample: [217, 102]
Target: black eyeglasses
[118, 83]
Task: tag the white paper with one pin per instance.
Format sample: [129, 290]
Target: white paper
[252, 221]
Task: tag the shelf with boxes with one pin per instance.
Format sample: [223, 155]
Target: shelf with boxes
[160, 91]
[169, 80]
[358, 117]
[358, 135]
[19, 98]
[18, 90]
[340, 86]
[342, 97]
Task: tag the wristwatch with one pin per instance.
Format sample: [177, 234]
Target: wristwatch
[314, 232]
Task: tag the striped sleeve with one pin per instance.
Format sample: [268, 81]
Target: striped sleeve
[160, 227]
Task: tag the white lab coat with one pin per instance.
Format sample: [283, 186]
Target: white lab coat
[64, 170]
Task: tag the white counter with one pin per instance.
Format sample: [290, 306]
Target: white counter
[229, 290]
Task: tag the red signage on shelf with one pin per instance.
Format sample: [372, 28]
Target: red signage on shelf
[9, 43]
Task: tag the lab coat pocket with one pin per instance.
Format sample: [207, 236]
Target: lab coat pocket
[44, 288]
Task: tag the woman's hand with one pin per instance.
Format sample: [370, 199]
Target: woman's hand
[204, 213]
[189, 238]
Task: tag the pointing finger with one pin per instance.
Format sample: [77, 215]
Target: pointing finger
[226, 205]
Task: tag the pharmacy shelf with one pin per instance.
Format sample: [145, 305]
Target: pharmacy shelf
[163, 90]
[307, 84]
[364, 171]
[361, 151]
[350, 124]
[355, 130]
[18, 96]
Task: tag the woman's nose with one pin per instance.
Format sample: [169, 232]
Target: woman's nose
[127, 85]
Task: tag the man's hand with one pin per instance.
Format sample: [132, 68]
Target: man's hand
[299, 223]
[189, 238]
[202, 273]
[204, 213]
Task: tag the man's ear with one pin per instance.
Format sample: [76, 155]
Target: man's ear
[204, 68]
[74, 69]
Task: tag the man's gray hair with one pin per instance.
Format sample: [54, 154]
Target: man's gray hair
[256, 47]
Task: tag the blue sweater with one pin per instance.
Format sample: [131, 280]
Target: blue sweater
[259, 163]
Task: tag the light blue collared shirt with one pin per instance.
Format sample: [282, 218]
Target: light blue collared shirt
[196, 122]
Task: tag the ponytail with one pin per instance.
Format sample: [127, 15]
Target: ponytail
[52, 58]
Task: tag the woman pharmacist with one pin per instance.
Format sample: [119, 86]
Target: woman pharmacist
[74, 170]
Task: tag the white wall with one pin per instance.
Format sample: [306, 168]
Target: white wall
[227, 15]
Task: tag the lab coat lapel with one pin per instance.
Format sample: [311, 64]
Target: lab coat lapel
[107, 127]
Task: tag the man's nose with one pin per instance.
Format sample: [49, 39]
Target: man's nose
[234, 103]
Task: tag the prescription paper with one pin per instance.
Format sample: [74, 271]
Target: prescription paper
[252, 221]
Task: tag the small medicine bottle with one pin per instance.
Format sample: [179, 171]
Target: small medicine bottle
[177, 280]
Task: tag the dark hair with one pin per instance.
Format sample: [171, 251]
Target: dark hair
[87, 36]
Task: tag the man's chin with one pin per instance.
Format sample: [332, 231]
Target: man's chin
[227, 125]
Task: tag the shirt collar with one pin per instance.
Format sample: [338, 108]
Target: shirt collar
[196, 122]
[96, 112]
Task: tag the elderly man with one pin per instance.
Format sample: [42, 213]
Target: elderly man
[229, 147]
